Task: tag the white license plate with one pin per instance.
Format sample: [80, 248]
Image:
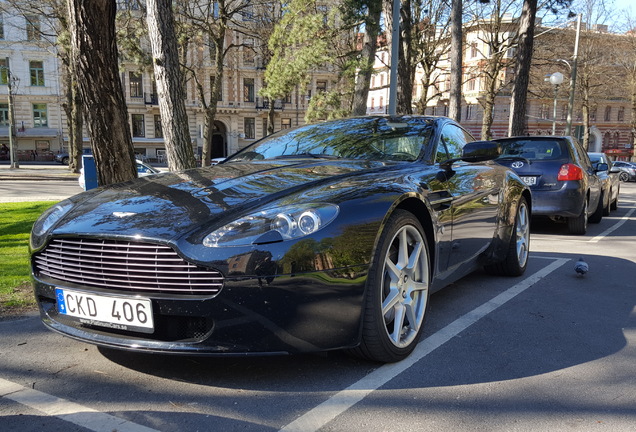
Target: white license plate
[530, 181]
[123, 313]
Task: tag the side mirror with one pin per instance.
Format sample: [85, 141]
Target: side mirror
[601, 167]
[479, 151]
[476, 151]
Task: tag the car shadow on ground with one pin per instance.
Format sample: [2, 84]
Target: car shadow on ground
[562, 321]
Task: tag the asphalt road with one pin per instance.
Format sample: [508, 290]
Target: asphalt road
[549, 351]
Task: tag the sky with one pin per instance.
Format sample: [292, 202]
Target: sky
[629, 5]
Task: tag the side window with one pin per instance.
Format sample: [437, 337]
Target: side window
[453, 140]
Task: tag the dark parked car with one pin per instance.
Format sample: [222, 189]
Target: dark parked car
[563, 181]
[609, 180]
[628, 170]
[328, 236]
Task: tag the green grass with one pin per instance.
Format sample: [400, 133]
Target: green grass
[16, 220]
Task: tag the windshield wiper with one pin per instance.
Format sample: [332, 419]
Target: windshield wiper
[513, 157]
[310, 155]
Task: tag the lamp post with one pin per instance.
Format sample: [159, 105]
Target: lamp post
[555, 79]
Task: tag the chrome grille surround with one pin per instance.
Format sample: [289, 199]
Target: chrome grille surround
[125, 266]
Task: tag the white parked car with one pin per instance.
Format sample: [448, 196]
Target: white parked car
[143, 169]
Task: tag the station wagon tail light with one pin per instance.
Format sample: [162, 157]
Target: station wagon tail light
[570, 172]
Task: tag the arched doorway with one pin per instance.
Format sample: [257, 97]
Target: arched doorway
[219, 147]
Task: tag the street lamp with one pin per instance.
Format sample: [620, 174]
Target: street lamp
[555, 79]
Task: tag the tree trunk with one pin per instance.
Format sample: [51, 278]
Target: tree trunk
[406, 73]
[518, 120]
[94, 52]
[456, 53]
[170, 89]
[369, 46]
[211, 107]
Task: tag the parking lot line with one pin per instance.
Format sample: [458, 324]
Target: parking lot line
[71, 412]
[322, 414]
[608, 231]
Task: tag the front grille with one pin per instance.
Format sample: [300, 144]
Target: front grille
[125, 266]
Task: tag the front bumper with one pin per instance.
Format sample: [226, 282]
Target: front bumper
[280, 314]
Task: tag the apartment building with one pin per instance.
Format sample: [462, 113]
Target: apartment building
[32, 64]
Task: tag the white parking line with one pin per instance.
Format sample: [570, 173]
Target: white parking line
[608, 231]
[71, 412]
[345, 399]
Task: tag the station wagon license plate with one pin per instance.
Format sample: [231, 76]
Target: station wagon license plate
[122, 313]
[529, 180]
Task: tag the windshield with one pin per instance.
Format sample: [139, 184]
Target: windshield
[378, 138]
[533, 149]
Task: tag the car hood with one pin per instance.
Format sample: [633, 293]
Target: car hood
[169, 205]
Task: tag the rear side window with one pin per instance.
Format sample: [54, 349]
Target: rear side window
[536, 150]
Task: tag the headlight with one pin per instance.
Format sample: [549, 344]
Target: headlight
[273, 224]
[50, 217]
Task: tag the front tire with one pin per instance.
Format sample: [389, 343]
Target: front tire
[516, 259]
[397, 291]
[623, 176]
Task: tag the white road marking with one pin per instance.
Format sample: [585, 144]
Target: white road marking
[71, 412]
[614, 227]
[319, 416]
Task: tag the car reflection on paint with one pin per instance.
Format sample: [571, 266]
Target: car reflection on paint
[327, 236]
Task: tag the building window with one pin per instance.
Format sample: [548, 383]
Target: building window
[617, 137]
[4, 71]
[136, 85]
[265, 127]
[158, 128]
[621, 114]
[248, 51]
[4, 114]
[288, 98]
[249, 125]
[285, 123]
[39, 115]
[248, 89]
[321, 86]
[373, 81]
[381, 103]
[473, 50]
[472, 83]
[381, 80]
[593, 114]
[469, 112]
[608, 113]
[37, 73]
[1, 27]
[544, 111]
[33, 29]
[138, 127]
[372, 103]
[564, 112]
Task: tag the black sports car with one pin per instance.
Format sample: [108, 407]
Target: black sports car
[327, 236]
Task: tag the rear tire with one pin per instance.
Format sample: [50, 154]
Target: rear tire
[65, 161]
[397, 291]
[608, 208]
[598, 213]
[578, 225]
[516, 260]
[623, 176]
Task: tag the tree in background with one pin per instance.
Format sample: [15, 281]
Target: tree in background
[495, 29]
[431, 44]
[299, 44]
[170, 85]
[53, 13]
[368, 13]
[456, 64]
[94, 51]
